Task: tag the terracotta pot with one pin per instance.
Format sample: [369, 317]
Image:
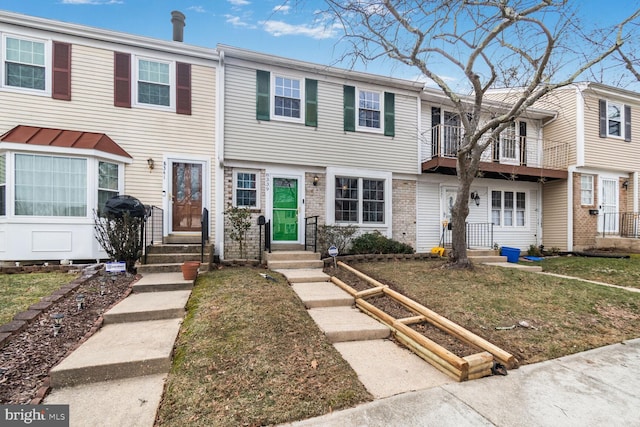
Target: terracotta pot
[190, 270]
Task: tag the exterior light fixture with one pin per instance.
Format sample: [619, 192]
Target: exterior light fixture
[475, 197]
[57, 323]
[103, 286]
[150, 164]
[315, 181]
[625, 184]
[80, 301]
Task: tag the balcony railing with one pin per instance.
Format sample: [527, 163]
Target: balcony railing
[510, 149]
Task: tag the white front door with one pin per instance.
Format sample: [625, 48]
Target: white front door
[608, 222]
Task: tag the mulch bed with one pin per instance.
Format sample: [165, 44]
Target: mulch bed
[397, 310]
[27, 356]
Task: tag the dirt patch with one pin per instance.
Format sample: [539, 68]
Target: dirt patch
[399, 311]
[27, 357]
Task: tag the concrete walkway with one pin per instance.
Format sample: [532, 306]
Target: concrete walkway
[117, 377]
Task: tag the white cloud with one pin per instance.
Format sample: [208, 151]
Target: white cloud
[239, 2]
[283, 8]
[93, 2]
[197, 9]
[280, 28]
[236, 21]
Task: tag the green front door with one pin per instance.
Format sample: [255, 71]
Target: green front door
[285, 209]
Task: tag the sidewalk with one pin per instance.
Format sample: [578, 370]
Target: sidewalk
[593, 388]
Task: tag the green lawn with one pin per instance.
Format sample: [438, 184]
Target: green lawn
[623, 272]
[19, 291]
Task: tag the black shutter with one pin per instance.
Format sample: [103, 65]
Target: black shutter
[263, 80]
[523, 143]
[311, 103]
[603, 117]
[627, 123]
[349, 108]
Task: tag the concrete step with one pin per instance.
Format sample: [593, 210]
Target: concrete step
[162, 282]
[304, 275]
[482, 252]
[176, 249]
[276, 247]
[185, 239]
[172, 258]
[117, 351]
[392, 371]
[342, 324]
[291, 255]
[486, 259]
[322, 294]
[173, 267]
[294, 264]
[148, 306]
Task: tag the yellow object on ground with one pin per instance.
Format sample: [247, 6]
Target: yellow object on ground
[438, 250]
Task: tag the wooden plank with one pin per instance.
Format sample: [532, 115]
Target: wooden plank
[413, 320]
[435, 361]
[370, 292]
[361, 275]
[343, 286]
[374, 311]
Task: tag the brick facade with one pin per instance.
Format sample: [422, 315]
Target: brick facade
[585, 225]
[404, 211]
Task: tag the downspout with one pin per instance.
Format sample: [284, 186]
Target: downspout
[219, 163]
[635, 192]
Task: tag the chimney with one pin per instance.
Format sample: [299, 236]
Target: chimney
[177, 19]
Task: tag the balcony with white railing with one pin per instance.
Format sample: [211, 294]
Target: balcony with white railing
[512, 156]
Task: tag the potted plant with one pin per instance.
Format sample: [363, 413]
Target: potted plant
[190, 270]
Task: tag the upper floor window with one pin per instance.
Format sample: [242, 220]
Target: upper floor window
[24, 63]
[615, 119]
[154, 83]
[368, 110]
[287, 97]
[245, 189]
[586, 190]
[508, 208]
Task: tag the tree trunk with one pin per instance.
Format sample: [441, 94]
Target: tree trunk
[466, 169]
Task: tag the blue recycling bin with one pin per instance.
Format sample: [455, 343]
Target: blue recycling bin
[512, 254]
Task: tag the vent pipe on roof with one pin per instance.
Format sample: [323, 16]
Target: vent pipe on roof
[177, 19]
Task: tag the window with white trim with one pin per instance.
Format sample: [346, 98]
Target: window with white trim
[359, 200]
[369, 110]
[154, 82]
[615, 119]
[107, 183]
[25, 63]
[586, 190]
[287, 99]
[3, 185]
[508, 208]
[245, 189]
[50, 186]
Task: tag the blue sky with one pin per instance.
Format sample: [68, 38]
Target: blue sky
[292, 28]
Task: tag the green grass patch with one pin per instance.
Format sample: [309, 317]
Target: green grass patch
[616, 271]
[19, 291]
[249, 354]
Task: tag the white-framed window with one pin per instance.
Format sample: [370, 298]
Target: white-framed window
[287, 99]
[108, 182]
[360, 200]
[3, 184]
[26, 64]
[48, 185]
[508, 208]
[615, 119]
[370, 110]
[586, 190]
[245, 189]
[154, 84]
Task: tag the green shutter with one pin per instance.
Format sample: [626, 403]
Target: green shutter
[389, 114]
[263, 79]
[311, 103]
[349, 108]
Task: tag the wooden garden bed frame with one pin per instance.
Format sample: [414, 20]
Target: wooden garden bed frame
[477, 365]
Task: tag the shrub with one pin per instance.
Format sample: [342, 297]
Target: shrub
[120, 237]
[337, 235]
[376, 243]
[534, 250]
[240, 219]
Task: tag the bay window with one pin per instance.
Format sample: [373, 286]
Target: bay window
[107, 183]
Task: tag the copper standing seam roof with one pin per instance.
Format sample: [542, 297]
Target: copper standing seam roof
[63, 138]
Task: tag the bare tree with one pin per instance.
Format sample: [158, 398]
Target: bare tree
[536, 45]
[629, 53]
